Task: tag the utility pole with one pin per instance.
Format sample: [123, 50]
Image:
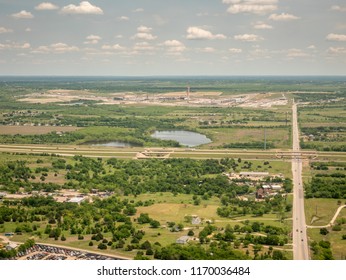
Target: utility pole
[265, 139]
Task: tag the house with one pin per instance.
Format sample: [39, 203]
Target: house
[267, 190]
[276, 187]
[254, 174]
[262, 193]
[11, 246]
[76, 199]
[183, 240]
[196, 220]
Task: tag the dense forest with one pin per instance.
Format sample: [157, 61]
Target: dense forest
[327, 186]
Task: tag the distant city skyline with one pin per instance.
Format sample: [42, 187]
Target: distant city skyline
[173, 37]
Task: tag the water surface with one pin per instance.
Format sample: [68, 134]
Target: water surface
[185, 138]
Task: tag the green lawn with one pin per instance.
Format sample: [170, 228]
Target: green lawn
[321, 208]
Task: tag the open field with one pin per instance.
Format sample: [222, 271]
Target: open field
[320, 211]
[334, 237]
[324, 127]
[29, 130]
[278, 137]
[235, 114]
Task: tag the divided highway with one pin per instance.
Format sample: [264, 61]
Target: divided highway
[300, 242]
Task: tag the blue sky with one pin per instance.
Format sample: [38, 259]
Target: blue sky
[173, 37]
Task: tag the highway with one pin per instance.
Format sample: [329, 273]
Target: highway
[300, 241]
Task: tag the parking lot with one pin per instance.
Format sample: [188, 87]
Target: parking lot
[47, 252]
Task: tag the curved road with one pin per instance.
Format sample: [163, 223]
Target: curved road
[332, 221]
[300, 242]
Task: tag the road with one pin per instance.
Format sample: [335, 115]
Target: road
[300, 242]
[110, 152]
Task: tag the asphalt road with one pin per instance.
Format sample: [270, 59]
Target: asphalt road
[300, 242]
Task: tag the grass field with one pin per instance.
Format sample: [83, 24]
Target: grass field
[334, 237]
[174, 208]
[324, 126]
[279, 137]
[323, 209]
[29, 130]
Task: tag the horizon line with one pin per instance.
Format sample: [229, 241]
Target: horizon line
[136, 76]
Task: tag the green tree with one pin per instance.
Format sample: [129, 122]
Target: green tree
[154, 224]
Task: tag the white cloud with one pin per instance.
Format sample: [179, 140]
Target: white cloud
[84, 8]
[139, 10]
[144, 29]
[248, 38]
[174, 46]
[208, 50]
[58, 48]
[123, 18]
[143, 46]
[25, 46]
[292, 53]
[92, 39]
[23, 15]
[283, 17]
[144, 33]
[311, 47]
[28, 29]
[115, 47]
[235, 50]
[259, 53]
[257, 7]
[46, 6]
[262, 25]
[5, 30]
[338, 8]
[62, 48]
[336, 37]
[13, 45]
[250, 1]
[144, 36]
[337, 50]
[159, 20]
[196, 33]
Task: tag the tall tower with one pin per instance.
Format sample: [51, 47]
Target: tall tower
[188, 92]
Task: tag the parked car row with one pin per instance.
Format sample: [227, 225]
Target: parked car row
[49, 252]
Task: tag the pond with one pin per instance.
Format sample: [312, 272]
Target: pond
[185, 138]
[117, 144]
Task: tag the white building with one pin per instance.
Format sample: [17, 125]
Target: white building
[76, 199]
